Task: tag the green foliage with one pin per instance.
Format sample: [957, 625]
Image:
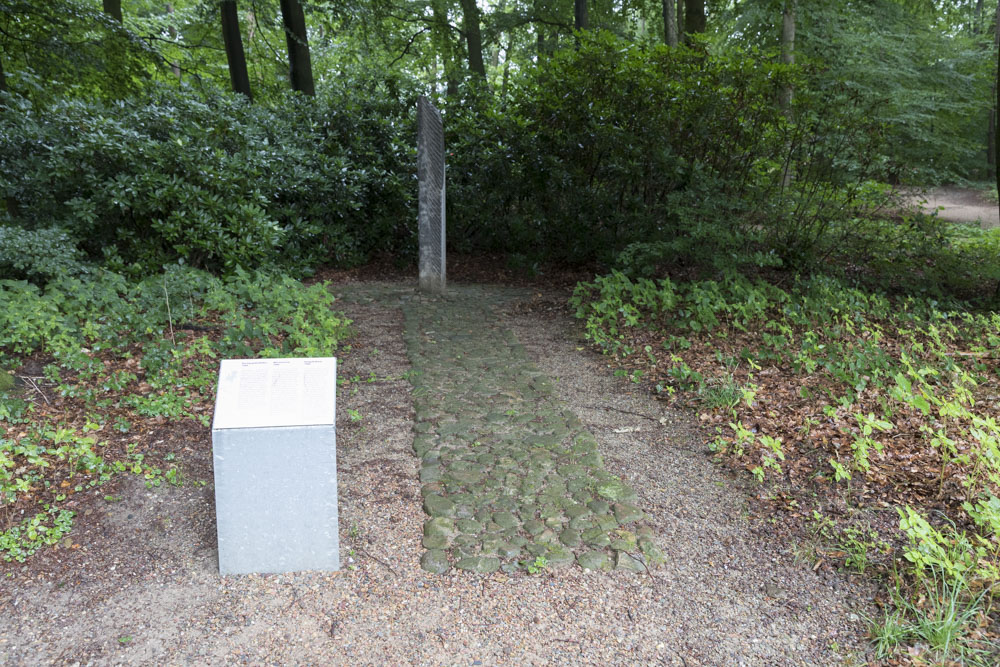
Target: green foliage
[275, 316]
[668, 154]
[856, 342]
[945, 622]
[951, 554]
[59, 457]
[645, 156]
[213, 183]
[23, 461]
[134, 347]
[43, 529]
[932, 78]
[535, 566]
[70, 48]
[863, 349]
[260, 314]
[929, 67]
[615, 301]
[38, 254]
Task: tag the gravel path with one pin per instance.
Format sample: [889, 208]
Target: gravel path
[143, 587]
[957, 204]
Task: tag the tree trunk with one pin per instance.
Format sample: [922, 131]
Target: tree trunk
[996, 105]
[681, 35]
[788, 58]
[173, 35]
[10, 202]
[694, 16]
[441, 38]
[113, 8]
[495, 57]
[991, 133]
[580, 19]
[787, 49]
[299, 64]
[234, 48]
[539, 31]
[991, 126]
[669, 23]
[473, 38]
[506, 68]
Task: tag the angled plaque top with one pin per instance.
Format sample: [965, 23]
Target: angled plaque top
[256, 393]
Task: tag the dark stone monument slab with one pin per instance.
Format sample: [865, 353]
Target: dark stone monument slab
[430, 173]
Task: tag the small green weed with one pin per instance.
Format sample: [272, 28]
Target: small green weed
[31, 534]
[946, 619]
[724, 395]
[535, 566]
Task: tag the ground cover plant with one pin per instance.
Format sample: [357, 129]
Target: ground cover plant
[870, 420]
[100, 360]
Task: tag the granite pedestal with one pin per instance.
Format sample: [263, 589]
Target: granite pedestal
[274, 450]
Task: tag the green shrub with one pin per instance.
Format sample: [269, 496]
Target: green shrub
[260, 313]
[680, 151]
[38, 254]
[215, 183]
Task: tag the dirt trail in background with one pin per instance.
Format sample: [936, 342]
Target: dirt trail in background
[957, 204]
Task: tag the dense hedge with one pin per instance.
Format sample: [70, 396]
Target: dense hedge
[650, 155]
[215, 183]
[614, 144]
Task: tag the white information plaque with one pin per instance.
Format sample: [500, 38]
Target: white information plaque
[274, 450]
[276, 392]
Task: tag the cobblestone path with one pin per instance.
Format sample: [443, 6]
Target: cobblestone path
[510, 478]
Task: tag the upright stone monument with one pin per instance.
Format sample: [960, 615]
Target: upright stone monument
[275, 452]
[430, 173]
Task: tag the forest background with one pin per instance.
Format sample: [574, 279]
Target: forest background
[737, 172]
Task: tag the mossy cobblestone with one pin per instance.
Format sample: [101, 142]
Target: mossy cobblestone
[508, 473]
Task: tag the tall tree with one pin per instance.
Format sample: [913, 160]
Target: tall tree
[580, 19]
[441, 39]
[172, 31]
[787, 48]
[299, 64]
[539, 31]
[233, 41]
[506, 67]
[788, 58]
[670, 22]
[996, 104]
[694, 16]
[991, 128]
[113, 8]
[473, 37]
[10, 202]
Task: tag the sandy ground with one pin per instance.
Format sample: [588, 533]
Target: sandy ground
[142, 585]
[960, 205]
